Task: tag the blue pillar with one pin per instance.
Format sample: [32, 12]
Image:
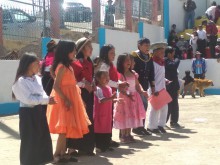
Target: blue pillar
[101, 34]
[166, 18]
[141, 29]
[44, 42]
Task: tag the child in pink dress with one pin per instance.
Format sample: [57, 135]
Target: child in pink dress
[103, 112]
[130, 112]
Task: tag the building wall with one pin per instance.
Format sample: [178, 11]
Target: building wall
[154, 33]
[177, 12]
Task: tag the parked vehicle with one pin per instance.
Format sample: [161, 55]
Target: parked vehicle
[76, 12]
[17, 24]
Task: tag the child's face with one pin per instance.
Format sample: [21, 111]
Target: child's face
[132, 63]
[87, 50]
[111, 55]
[104, 79]
[72, 55]
[34, 67]
[127, 63]
[144, 48]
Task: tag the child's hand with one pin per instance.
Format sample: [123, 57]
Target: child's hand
[168, 82]
[68, 104]
[52, 101]
[119, 100]
[145, 94]
[156, 93]
[114, 95]
[131, 97]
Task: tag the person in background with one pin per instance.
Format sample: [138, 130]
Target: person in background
[171, 74]
[210, 12]
[36, 144]
[182, 45]
[188, 84]
[103, 112]
[157, 118]
[212, 33]
[130, 112]
[47, 79]
[172, 38]
[189, 7]
[109, 14]
[217, 50]
[199, 66]
[193, 41]
[202, 38]
[144, 67]
[217, 13]
[84, 72]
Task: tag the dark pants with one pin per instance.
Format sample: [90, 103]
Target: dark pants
[47, 82]
[212, 44]
[199, 76]
[102, 140]
[202, 47]
[173, 107]
[36, 144]
[87, 143]
[189, 19]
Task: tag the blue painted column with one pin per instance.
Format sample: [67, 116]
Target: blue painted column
[166, 18]
[44, 42]
[141, 29]
[102, 34]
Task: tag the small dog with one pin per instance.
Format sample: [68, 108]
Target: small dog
[188, 84]
[201, 84]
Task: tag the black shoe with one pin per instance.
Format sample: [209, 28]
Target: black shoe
[83, 153]
[162, 130]
[110, 149]
[183, 96]
[138, 131]
[72, 159]
[156, 131]
[175, 125]
[146, 132]
[114, 144]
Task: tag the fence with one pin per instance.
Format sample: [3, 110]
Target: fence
[26, 21]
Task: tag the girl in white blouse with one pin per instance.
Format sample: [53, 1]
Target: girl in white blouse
[36, 145]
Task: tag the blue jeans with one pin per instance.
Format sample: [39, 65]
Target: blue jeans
[189, 19]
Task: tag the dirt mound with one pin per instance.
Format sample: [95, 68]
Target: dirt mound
[3, 51]
[31, 48]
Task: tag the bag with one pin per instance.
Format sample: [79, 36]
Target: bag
[157, 102]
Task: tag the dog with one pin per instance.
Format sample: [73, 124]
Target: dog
[201, 84]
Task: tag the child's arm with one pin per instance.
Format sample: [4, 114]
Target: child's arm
[102, 98]
[139, 88]
[57, 88]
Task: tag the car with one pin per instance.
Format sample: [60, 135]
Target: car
[76, 12]
[19, 25]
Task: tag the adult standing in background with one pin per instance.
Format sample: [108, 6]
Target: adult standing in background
[189, 7]
[199, 66]
[210, 12]
[171, 73]
[202, 38]
[212, 32]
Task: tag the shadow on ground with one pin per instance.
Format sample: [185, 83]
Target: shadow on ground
[14, 134]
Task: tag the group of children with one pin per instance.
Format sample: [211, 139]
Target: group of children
[86, 101]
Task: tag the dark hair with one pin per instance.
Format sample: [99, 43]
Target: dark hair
[187, 72]
[174, 25]
[104, 53]
[195, 33]
[214, 3]
[143, 41]
[120, 63]
[26, 60]
[168, 50]
[98, 76]
[62, 54]
[80, 54]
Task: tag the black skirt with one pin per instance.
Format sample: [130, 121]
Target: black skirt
[47, 82]
[36, 144]
[87, 143]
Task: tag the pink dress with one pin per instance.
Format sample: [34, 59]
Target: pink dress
[102, 111]
[128, 113]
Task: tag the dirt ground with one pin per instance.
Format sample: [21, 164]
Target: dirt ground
[196, 144]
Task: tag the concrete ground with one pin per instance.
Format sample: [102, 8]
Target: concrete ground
[197, 144]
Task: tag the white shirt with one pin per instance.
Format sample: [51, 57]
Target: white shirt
[160, 81]
[211, 11]
[193, 40]
[29, 91]
[105, 67]
[202, 34]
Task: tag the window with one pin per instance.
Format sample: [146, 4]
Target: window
[7, 17]
[20, 16]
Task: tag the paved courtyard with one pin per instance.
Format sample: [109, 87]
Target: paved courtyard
[196, 144]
